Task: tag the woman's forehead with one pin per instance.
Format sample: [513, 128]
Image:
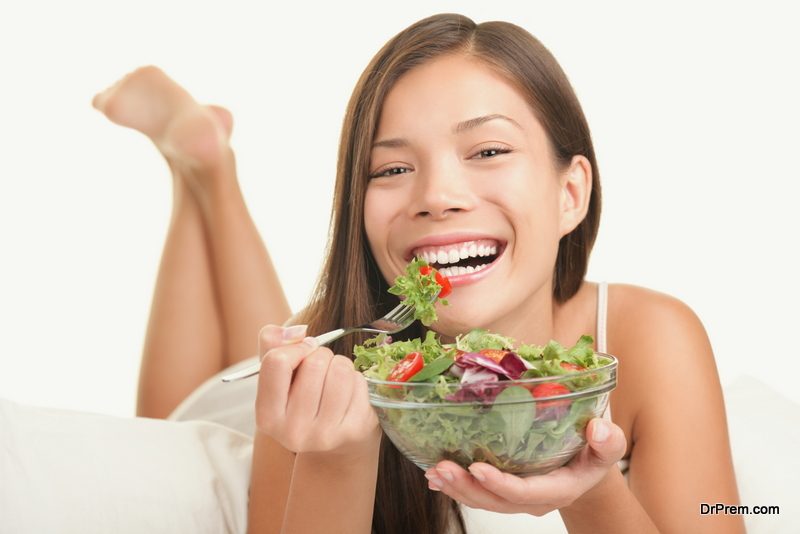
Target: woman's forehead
[448, 91]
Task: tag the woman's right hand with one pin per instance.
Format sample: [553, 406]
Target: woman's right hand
[310, 400]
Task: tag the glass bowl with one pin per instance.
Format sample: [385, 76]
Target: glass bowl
[500, 423]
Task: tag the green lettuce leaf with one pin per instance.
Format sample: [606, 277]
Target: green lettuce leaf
[419, 290]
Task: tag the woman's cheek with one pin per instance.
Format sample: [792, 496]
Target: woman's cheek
[376, 225]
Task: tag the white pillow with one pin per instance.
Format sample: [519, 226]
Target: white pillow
[764, 430]
[66, 472]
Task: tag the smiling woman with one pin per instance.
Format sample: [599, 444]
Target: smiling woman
[427, 166]
[465, 145]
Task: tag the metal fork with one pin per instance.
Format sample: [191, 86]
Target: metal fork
[396, 320]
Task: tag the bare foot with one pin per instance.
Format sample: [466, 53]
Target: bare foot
[192, 137]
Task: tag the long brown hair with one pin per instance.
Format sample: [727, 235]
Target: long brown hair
[351, 289]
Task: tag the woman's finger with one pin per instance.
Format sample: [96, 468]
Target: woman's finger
[458, 484]
[275, 378]
[551, 489]
[337, 393]
[305, 392]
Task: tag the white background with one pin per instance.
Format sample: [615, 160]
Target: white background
[693, 111]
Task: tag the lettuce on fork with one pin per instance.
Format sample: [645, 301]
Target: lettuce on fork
[420, 288]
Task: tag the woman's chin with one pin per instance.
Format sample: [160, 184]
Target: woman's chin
[453, 324]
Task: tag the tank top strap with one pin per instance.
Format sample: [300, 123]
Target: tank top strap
[602, 316]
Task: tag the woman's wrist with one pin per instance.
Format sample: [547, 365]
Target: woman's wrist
[601, 494]
[345, 458]
[343, 480]
[609, 506]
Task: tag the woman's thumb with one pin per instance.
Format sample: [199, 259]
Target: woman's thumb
[606, 440]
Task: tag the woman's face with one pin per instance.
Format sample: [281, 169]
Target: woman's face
[462, 175]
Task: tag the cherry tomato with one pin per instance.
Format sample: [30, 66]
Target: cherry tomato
[406, 368]
[445, 283]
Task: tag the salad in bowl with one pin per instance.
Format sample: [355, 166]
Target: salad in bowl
[483, 398]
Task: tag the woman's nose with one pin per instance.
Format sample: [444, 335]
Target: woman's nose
[439, 193]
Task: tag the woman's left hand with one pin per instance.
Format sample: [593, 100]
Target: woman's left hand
[489, 488]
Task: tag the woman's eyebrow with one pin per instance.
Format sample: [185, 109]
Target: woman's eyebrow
[399, 142]
[477, 121]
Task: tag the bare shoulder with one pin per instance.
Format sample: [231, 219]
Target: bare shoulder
[641, 318]
[659, 341]
[667, 383]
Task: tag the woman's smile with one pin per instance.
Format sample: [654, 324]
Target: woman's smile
[463, 257]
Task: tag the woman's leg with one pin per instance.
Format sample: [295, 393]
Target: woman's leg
[207, 309]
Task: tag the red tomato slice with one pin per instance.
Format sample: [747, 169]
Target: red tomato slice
[549, 389]
[572, 366]
[406, 368]
[445, 283]
[425, 270]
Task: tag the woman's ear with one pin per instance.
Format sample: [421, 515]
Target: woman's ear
[576, 189]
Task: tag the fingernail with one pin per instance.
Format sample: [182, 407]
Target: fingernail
[294, 333]
[445, 474]
[311, 342]
[435, 484]
[477, 474]
[600, 430]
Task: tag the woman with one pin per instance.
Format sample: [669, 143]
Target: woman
[455, 132]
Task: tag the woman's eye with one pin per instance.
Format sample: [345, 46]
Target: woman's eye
[392, 171]
[491, 152]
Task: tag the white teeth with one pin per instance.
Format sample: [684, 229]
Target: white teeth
[457, 270]
[455, 253]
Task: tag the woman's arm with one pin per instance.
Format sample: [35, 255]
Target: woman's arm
[680, 455]
[333, 493]
[270, 479]
[317, 443]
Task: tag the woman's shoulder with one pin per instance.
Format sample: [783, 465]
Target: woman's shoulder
[659, 342]
[655, 335]
[638, 314]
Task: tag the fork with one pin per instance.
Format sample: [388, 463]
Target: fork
[394, 321]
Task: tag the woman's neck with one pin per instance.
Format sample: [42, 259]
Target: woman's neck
[540, 318]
